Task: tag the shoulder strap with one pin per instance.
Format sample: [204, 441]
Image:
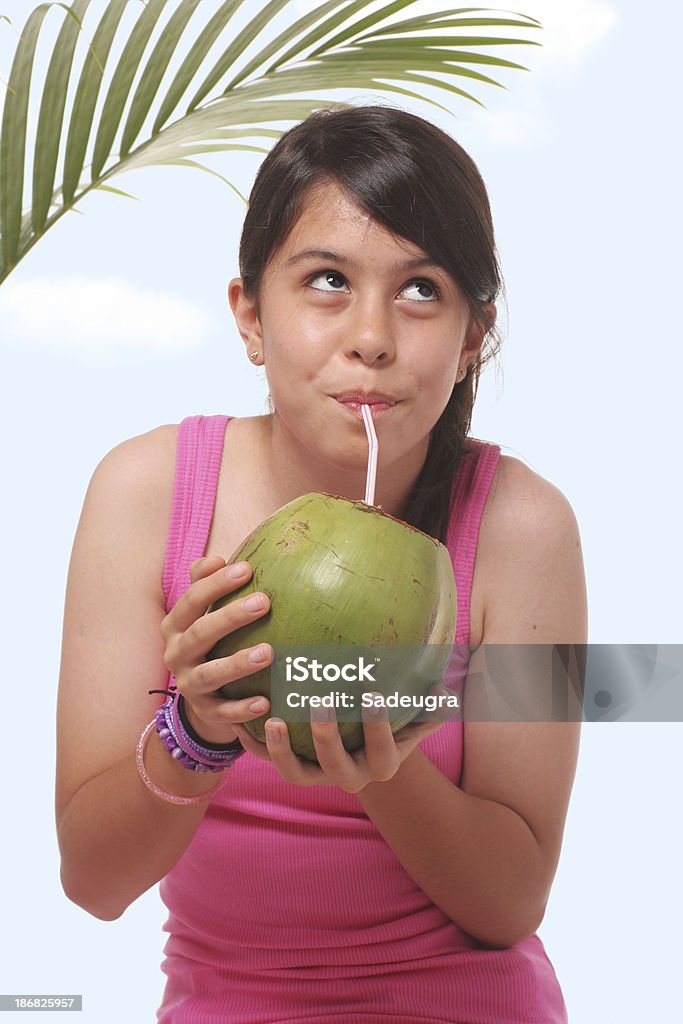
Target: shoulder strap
[198, 461]
[471, 487]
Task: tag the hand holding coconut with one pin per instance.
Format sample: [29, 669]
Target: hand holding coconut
[379, 760]
[190, 631]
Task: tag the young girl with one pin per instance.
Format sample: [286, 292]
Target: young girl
[403, 882]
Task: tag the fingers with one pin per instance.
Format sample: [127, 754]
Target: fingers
[212, 582]
[215, 714]
[205, 632]
[251, 744]
[191, 630]
[381, 755]
[383, 752]
[336, 767]
[200, 686]
[210, 676]
[292, 768]
[378, 761]
[202, 567]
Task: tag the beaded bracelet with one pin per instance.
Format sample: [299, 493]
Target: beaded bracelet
[214, 756]
[170, 798]
[183, 743]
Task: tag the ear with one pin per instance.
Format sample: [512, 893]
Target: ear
[245, 311]
[478, 329]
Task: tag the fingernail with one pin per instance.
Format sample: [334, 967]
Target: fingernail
[259, 654]
[257, 705]
[320, 714]
[235, 571]
[375, 710]
[253, 603]
[274, 730]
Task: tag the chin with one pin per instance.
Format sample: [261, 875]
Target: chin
[346, 461]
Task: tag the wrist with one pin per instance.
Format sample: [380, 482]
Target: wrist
[203, 733]
[189, 751]
[171, 776]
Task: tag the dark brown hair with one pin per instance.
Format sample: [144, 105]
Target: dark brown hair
[416, 181]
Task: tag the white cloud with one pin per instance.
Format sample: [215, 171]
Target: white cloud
[97, 319]
[571, 31]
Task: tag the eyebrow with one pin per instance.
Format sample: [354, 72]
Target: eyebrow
[348, 261]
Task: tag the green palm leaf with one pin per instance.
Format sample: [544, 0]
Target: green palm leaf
[121, 83]
[446, 20]
[86, 97]
[13, 138]
[193, 61]
[325, 25]
[154, 72]
[274, 69]
[52, 113]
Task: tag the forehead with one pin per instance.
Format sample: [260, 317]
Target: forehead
[331, 219]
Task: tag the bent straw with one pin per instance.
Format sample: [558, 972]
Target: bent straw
[372, 455]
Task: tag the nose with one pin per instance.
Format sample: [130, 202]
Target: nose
[370, 336]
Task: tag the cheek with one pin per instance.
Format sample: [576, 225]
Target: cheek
[435, 368]
[296, 331]
[434, 386]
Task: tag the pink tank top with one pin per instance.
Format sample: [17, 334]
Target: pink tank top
[288, 905]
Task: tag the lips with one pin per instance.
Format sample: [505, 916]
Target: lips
[356, 407]
[366, 398]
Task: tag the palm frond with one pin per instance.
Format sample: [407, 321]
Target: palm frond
[51, 114]
[267, 74]
[121, 82]
[13, 138]
[85, 100]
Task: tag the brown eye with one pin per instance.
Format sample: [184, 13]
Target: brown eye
[423, 291]
[326, 281]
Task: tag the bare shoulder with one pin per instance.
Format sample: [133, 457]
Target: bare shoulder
[143, 465]
[146, 457]
[131, 493]
[531, 569]
[521, 500]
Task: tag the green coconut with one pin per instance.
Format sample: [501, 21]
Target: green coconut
[344, 576]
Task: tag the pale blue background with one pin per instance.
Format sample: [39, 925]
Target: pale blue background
[581, 159]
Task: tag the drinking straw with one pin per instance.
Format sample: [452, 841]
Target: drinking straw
[372, 455]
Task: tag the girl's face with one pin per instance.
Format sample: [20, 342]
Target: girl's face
[346, 306]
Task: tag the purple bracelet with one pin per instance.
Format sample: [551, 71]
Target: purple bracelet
[203, 751]
[187, 751]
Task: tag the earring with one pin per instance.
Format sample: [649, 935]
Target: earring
[253, 355]
[461, 373]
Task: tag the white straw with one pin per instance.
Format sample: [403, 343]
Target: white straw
[372, 455]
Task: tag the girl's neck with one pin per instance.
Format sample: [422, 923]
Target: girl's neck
[287, 470]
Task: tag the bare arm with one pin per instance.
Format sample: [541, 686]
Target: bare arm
[116, 838]
[476, 857]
